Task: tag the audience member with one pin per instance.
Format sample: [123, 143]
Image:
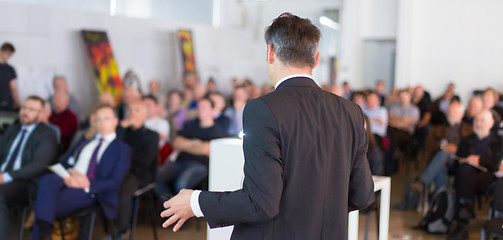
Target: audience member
[96, 169]
[358, 98]
[443, 102]
[255, 92]
[402, 120]
[404, 116]
[176, 113]
[474, 107]
[380, 89]
[377, 115]
[211, 85]
[154, 88]
[44, 116]
[489, 101]
[392, 98]
[445, 140]
[9, 97]
[144, 157]
[129, 95]
[189, 80]
[346, 89]
[267, 88]
[375, 155]
[106, 98]
[235, 112]
[60, 84]
[154, 122]
[337, 90]
[483, 149]
[64, 118]
[422, 100]
[220, 119]
[26, 149]
[191, 165]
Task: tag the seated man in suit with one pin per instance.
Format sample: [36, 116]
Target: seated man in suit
[482, 149]
[193, 142]
[144, 146]
[96, 169]
[26, 149]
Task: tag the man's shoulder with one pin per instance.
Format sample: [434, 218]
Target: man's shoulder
[119, 145]
[9, 67]
[43, 129]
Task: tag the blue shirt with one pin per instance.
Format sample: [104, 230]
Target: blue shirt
[17, 162]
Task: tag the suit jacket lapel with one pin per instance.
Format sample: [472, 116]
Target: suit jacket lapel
[8, 145]
[102, 164]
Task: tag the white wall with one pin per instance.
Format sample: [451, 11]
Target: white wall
[363, 20]
[257, 15]
[451, 40]
[47, 40]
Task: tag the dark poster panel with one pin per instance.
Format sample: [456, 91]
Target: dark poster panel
[103, 64]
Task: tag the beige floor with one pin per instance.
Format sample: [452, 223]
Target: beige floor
[401, 222]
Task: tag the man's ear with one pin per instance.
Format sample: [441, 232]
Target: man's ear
[270, 54]
[316, 60]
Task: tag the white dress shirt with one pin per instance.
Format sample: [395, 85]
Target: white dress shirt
[84, 158]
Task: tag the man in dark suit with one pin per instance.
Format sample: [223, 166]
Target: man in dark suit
[305, 164]
[96, 169]
[26, 149]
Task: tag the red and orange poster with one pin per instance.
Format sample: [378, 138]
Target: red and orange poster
[187, 47]
[103, 64]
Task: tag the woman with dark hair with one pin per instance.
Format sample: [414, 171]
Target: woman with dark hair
[375, 154]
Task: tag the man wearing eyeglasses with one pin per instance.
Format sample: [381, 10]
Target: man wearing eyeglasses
[26, 149]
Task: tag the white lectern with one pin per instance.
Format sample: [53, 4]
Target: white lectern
[226, 174]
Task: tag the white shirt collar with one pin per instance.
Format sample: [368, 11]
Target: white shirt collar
[29, 128]
[291, 76]
[109, 137]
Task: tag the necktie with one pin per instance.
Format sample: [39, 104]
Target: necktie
[10, 164]
[92, 164]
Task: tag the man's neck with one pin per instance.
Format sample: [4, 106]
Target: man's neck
[238, 105]
[284, 71]
[482, 136]
[206, 123]
[59, 112]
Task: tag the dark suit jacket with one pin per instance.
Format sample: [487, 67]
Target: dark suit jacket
[305, 167]
[40, 150]
[111, 170]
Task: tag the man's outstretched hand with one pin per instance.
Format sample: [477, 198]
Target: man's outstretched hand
[178, 209]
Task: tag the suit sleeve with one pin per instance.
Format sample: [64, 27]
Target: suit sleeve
[260, 196]
[361, 186]
[121, 168]
[44, 153]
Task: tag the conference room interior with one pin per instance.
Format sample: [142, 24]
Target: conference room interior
[417, 68]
